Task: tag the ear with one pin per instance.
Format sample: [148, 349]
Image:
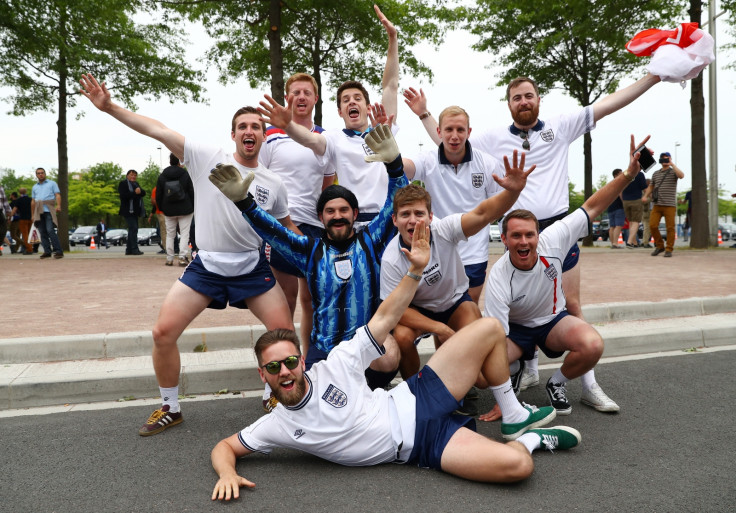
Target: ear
[393, 218]
[503, 239]
[260, 373]
[232, 135]
[430, 218]
[469, 130]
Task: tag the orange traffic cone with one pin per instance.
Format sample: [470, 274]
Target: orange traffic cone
[720, 238]
[651, 241]
[620, 239]
[599, 239]
[92, 243]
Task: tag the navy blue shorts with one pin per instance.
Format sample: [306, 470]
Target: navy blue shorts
[443, 317]
[435, 422]
[616, 217]
[233, 289]
[476, 274]
[530, 338]
[571, 259]
[280, 263]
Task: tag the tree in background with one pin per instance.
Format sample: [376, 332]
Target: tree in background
[577, 46]
[334, 41]
[11, 182]
[45, 46]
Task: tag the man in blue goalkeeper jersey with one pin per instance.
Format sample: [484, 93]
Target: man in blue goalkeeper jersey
[342, 267]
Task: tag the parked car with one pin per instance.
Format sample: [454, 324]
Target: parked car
[600, 229]
[82, 235]
[148, 236]
[728, 231]
[117, 237]
[495, 235]
[663, 230]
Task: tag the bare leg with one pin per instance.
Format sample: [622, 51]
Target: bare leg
[474, 293]
[405, 337]
[305, 300]
[271, 309]
[571, 286]
[583, 342]
[289, 285]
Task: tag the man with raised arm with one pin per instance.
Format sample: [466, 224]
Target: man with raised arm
[346, 149]
[230, 266]
[546, 143]
[525, 292]
[328, 411]
[342, 266]
[304, 178]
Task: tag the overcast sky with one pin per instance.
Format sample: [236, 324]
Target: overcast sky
[461, 78]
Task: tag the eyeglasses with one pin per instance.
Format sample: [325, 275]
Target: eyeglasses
[275, 367]
[525, 136]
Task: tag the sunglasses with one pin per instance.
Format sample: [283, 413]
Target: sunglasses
[275, 367]
[525, 136]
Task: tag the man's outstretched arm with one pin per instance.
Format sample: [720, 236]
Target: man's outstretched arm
[417, 102]
[223, 458]
[390, 81]
[623, 97]
[98, 94]
[279, 116]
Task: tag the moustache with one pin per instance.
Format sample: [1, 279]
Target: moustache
[340, 221]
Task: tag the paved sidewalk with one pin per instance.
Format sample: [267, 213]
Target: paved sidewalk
[90, 292]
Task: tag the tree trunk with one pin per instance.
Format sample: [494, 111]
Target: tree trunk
[700, 233]
[588, 169]
[275, 52]
[61, 143]
[316, 73]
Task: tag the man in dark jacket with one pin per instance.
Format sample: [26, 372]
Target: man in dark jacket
[131, 208]
[175, 198]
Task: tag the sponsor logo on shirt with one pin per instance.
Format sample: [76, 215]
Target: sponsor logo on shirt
[261, 195]
[477, 180]
[433, 278]
[298, 434]
[335, 397]
[547, 135]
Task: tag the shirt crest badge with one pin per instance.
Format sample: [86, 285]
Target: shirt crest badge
[551, 272]
[477, 179]
[344, 269]
[261, 195]
[547, 135]
[335, 397]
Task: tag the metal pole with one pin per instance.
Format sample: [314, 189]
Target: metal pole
[713, 135]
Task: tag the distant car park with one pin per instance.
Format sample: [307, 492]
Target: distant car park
[117, 237]
[82, 235]
[148, 236]
[495, 235]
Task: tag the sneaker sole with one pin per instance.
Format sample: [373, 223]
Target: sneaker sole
[603, 408]
[529, 384]
[571, 431]
[566, 411]
[161, 428]
[541, 422]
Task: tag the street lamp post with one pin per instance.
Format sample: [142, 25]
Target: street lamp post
[160, 159]
[677, 144]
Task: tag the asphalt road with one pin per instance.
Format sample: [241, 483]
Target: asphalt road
[670, 449]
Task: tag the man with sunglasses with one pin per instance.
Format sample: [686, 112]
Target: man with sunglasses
[329, 411]
[546, 143]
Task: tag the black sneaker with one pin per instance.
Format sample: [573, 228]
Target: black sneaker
[472, 394]
[657, 251]
[58, 254]
[516, 378]
[45, 255]
[160, 420]
[557, 394]
[468, 408]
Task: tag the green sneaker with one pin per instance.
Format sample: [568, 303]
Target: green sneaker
[537, 417]
[560, 437]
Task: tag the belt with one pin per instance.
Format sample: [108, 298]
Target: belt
[546, 223]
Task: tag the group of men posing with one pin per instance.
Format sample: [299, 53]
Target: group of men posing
[367, 292]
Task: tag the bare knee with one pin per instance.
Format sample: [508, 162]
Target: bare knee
[164, 335]
[521, 467]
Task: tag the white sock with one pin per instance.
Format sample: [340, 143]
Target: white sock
[559, 378]
[588, 379]
[514, 367]
[533, 365]
[170, 396]
[531, 441]
[511, 409]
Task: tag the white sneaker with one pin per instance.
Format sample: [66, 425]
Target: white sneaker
[596, 398]
[529, 379]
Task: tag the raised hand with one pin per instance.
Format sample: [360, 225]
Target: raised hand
[515, 178]
[275, 114]
[390, 29]
[96, 93]
[383, 144]
[419, 254]
[377, 115]
[416, 101]
[228, 179]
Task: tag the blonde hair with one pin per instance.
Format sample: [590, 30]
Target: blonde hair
[454, 110]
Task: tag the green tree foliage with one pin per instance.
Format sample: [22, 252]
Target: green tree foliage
[11, 182]
[576, 198]
[89, 201]
[334, 41]
[105, 172]
[576, 46]
[45, 45]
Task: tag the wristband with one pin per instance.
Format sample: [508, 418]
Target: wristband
[424, 116]
[413, 276]
[395, 168]
[246, 204]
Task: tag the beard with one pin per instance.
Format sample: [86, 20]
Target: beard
[527, 117]
[293, 396]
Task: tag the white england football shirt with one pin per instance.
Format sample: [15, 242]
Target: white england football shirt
[340, 419]
[533, 298]
[443, 280]
[546, 193]
[346, 152]
[300, 171]
[460, 190]
[227, 243]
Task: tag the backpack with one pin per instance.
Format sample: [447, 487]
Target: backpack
[174, 192]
